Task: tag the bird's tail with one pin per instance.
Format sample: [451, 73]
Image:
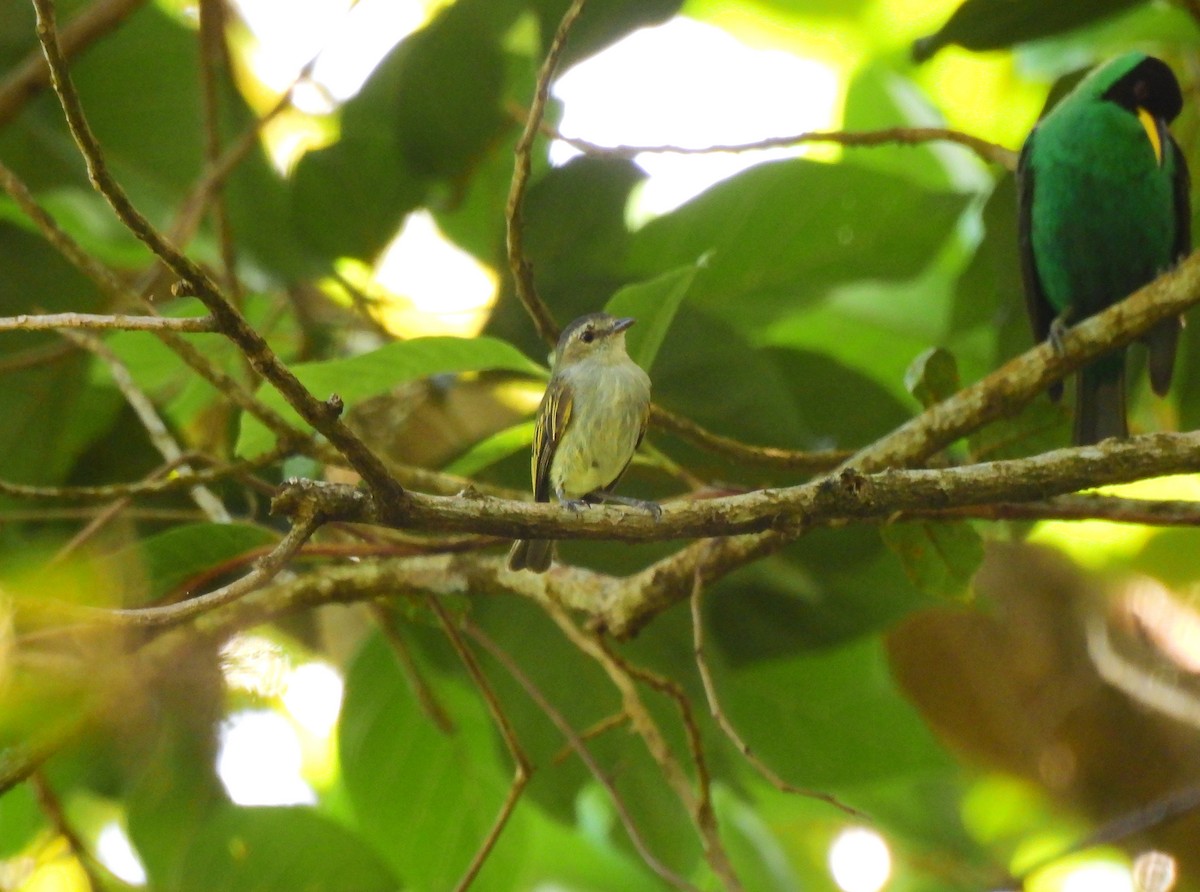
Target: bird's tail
[531, 554]
[1161, 341]
[1100, 401]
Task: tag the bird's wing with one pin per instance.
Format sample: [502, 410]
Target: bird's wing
[554, 414]
[1183, 209]
[1041, 314]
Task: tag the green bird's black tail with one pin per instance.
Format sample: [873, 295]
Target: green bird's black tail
[1100, 401]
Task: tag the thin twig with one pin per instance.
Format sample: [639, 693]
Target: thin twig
[727, 447]
[564, 727]
[522, 768]
[660, 751]
[153, 486]
[100, 322]
[718, 714]
[156, 429]
[264, 571]
[519, 265]
[988, 151]
[603, 726]
[323, 415]
[426, 699]
[118, 293]
[52, 807]
[212, 67]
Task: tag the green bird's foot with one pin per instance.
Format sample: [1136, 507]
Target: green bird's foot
[1058, 331]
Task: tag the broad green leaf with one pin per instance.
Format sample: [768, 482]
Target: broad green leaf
[380, 370]
[832, 586]
[577, 257]
[487, 452]
[1039, 427]
[933, 376]
[816, 718]
[20, 819]
[880, 97]
[993, 24]
[51, 411]
[653, 304]
[159, 564]
[939, 558]
[349, 198]
[424, 798]
[605, 22]
[271, 849]
[782, 234]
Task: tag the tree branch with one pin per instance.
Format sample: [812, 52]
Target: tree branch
[323, 415]
[519, 265]
[988, 151]
[99, 322]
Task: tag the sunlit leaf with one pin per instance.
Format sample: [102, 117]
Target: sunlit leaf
[380, 370]
[653, 304]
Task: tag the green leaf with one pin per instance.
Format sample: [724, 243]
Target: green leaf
[933, 376]
[20, 819]
[939, 558]
[831, 586]
[158, 565]
[270, 849]
[816, 718]
[994, 24]
[380, 370]
[604, 22]
[781, 234]
[653, 304]
[409, 781]
[492, 449]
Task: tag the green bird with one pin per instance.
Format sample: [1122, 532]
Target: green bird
[1102, 210]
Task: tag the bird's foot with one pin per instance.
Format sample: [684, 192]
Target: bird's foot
[654, 508]
[575, 504]
[1058, 333]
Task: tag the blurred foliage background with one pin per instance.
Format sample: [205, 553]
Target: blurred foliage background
[988, 693]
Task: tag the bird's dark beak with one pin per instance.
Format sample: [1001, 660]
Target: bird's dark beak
[623, 323]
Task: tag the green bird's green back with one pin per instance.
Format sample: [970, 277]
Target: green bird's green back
[1103, 210]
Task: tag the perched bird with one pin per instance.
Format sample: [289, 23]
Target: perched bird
[589, 424]
[1102, 210]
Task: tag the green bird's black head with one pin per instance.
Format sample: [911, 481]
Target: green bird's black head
[1136, 82]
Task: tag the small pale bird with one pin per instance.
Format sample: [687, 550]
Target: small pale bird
[589, 424]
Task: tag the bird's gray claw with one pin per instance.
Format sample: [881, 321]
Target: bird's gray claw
[654, 508]
[1058, 331]
[575, 504]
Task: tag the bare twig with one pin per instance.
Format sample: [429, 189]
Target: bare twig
[97, 322]
[698, 807]
[426, 699]
[718, 714]
[727, 447]
[52, 807]
[156, 429]
[564, 728]
[115, 289]
[522, 768]
[264, 571]
[323, 415]
[988, 151]
[519, 265]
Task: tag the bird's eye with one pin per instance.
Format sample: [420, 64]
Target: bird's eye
[588, 336]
